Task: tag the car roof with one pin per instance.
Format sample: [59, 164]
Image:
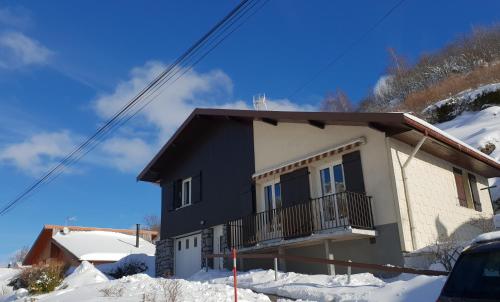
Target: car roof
[482, 247]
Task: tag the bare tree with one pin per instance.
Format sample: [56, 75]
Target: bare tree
[446, 250]
[20, 254]
[152, 222]
[337, 101]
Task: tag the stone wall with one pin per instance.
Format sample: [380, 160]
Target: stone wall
[164, 260]
[207, 246]
[224, 247]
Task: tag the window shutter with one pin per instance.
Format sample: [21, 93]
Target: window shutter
[295, 187]
[462, 198]
[177, 193]
[196, 185]
[167, 193]
[353, 172]
[475, 192]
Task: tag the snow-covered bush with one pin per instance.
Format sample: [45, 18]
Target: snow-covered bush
[128, 268]
[40, 278]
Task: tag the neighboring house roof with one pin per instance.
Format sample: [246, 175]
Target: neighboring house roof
[101, 245]
[93, 241]
[402, 126]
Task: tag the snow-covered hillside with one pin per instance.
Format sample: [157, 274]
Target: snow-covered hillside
[478, 129]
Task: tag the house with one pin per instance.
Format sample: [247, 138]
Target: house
[73, 244]
[370, 187]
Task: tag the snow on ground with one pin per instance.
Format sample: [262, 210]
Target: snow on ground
[88, 284]
[363, 287]
[477, 129]
[6, 274]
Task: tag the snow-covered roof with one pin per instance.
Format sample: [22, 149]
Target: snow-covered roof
[449, 136]
[102, 245]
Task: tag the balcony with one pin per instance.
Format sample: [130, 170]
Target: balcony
[323, 215]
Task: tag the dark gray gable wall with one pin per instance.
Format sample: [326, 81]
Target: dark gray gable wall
[220, 162]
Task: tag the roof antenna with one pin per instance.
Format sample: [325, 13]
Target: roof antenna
[259, 102]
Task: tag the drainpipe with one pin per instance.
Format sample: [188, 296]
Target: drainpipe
[407, 192]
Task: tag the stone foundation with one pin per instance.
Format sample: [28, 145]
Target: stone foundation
[164, 257]
[207, 246]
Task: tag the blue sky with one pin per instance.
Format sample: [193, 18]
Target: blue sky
[67, 66]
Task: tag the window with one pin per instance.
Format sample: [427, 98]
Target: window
[179, 246]
[186, 192]
[187, 244]
[329, 185]
[272, 196]
[467, 190]
[195, 243]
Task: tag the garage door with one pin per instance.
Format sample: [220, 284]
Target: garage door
[187, 255]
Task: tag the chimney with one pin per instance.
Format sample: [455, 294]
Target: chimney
[137, 230]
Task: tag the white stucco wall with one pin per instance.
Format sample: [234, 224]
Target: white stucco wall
[274, 145]
[433, 196]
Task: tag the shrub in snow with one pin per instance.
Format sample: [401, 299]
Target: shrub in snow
[112, 291]
[128, 268]
[40, 278]
[171, 289]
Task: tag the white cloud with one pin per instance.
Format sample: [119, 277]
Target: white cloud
[126, 154]
[130, 148]
[17, 17]
[38, 153]
[17, 49]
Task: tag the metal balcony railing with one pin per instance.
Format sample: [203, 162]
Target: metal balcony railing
[339, 210]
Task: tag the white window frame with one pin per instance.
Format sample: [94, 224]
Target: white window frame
[185, 202]
[271, 183]
[330, 166]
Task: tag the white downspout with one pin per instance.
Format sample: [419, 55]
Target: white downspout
[407, 192]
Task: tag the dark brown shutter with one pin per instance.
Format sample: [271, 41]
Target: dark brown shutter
[295, 193]
[459, 182]
[475, 192]
[353, 172]
[167, 193]
[196, 185]
[295, 187]
[177, 193]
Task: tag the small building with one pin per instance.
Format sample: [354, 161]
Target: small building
[74, 244]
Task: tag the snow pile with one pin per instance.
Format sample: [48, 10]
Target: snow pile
[88, 284]
[84, 274]
[6, 275]
[148, 260]
[102, 245]
[478, 129]
[364, 287]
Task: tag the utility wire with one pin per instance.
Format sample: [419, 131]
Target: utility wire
[349, 47]
[214, 37]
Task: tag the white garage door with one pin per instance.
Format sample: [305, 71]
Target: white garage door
[187, 255]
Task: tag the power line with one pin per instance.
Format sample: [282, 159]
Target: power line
[214, 37]
[347, 49]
